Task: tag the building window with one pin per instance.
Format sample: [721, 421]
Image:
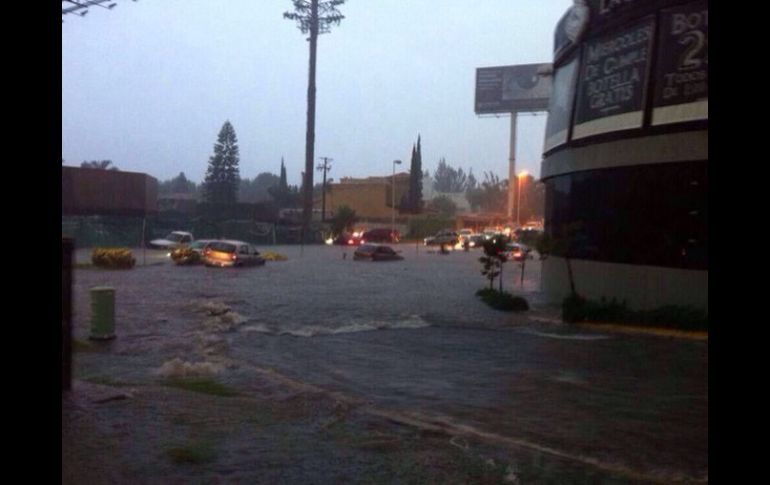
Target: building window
[654, 215]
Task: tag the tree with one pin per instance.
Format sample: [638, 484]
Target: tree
[343, 220]
[447, 179]
[257, 190]
[99, 164]
[493, 260]
[444, 205]
[414, 201]
[490, 196]
[181, 185]
[222, 177]
[284, 195]
[314, 17]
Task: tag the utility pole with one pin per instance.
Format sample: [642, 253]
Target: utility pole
[313, 17]
[325, 167]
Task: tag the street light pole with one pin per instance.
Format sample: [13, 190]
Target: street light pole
[393, 198]
[522, 174]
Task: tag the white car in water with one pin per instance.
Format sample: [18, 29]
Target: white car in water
[173, 240]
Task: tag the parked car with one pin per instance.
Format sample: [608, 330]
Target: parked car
[381, 235]
[476, 240]
[376, 252]
[173, 240]
[441, 238]
[231, 253]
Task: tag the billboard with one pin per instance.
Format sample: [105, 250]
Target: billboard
[505, 89]
[682, 89]
[613, 80]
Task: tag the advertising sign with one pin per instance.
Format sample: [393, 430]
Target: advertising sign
[681, 91]
[613, 78]
[505, 89]
[560, 107]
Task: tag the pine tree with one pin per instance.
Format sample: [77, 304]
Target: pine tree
[222, 177]
[282, 185]
[415, 179]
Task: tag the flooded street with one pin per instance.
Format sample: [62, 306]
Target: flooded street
[396, 346]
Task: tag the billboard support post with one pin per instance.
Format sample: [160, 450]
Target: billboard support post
[512, 187]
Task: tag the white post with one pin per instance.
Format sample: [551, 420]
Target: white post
[512, 167]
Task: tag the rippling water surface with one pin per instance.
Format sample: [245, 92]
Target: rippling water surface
[410, 337]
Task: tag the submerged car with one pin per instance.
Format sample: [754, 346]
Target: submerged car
[376, 252]
[228, 253]
[173, 240]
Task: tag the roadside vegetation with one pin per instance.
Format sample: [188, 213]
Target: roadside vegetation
[113, 258]
[201, 385]
[577, 309]
[494, 258]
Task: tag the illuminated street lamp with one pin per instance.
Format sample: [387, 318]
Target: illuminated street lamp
[393, 198]
[521, 175]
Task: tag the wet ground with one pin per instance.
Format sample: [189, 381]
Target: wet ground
[321, 369]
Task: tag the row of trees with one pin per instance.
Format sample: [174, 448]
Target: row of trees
[489, 195]
[223, 184]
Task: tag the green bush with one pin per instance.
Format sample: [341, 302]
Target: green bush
[185, 255]
[575, 309]
[113, 258]
[503, 300]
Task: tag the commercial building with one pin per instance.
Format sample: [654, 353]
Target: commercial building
[371, 197]
[625, 161]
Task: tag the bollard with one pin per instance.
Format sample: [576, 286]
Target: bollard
[102, 313]
[67, 247]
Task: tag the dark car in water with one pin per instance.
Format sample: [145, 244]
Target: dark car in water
[229, 253]
[381, 235]
[376, 252]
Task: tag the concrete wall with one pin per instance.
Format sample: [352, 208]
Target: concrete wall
[642, 287]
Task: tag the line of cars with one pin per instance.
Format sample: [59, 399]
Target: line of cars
[467, 239]
[185, 249]
[378, 235]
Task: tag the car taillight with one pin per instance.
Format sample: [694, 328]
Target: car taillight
[350, 241]
[233, 257]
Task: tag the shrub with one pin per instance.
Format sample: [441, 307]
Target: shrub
[185, 255]
[503, 300]
[113, 258]
[271, 256]
[575, 308]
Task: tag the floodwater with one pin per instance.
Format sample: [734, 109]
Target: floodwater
[410, 341]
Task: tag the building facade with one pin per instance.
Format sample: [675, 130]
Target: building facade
[625, 161]
[371, 197]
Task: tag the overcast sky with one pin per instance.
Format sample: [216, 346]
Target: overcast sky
[149, 84]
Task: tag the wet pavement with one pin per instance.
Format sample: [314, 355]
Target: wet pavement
[360, 372]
